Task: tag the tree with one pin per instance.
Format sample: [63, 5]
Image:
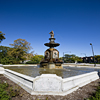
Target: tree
[2, 36]
[17, 54]
[20, 49]
[7, 55]
[3, 51]
[29, 55]
[78, 59]
[71, 58]
[9, 60]
[97, 58]
[22, 44]
[35, 59]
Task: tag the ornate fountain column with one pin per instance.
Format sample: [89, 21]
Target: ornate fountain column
[51, 59]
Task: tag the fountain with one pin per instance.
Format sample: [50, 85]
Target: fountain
[44, 80]
[51, 59]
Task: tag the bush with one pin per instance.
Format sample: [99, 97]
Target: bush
[96, 96]
[35, 59]
[9, 60]
[7, 91]
[3, 94]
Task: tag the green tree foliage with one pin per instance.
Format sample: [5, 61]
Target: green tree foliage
[6, 55]
[97, 58]
[11, 55]
[2, 36]
[3, 51]
[35, 59]
[21, 44]
[9, 60]
[17, 54]
[29, 55]
[71, 58]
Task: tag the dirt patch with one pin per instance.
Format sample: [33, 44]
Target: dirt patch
[81, 94]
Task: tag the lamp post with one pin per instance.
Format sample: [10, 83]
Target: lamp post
[65, 52]
[93, 55]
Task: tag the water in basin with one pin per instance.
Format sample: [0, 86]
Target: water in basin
[34, 71]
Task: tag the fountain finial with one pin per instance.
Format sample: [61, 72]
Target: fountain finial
[52, 34]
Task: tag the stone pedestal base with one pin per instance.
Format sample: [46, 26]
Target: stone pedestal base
[51, 66]
[54, 66]
[59, 66]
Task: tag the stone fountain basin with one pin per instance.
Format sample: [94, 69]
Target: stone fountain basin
[50, 84]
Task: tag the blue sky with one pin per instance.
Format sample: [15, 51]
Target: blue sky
[76, 24]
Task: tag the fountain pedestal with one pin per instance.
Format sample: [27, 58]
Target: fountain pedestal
[51, 59]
